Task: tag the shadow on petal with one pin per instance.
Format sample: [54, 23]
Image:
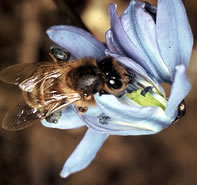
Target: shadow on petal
[112, 45]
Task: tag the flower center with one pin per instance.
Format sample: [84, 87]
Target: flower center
[144, 93]
[147, 99]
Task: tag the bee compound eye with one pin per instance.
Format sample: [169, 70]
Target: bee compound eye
[114, 83]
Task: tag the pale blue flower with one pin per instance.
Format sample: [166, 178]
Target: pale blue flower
[155, 44]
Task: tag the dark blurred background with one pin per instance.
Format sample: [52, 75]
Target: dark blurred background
[35, 156]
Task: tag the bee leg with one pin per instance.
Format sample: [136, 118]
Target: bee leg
[122, 93]
[53, 114]
[53, 107]
[53, 58]
[82, 109]
[58, 55]
[54, 117]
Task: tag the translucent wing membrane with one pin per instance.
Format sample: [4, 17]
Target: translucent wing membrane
[15, 74]
[19, 117]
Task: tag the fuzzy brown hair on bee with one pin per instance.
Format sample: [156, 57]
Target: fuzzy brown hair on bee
[48, 87]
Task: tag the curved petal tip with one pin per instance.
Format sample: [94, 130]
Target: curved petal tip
[84, 153]
[78, 42]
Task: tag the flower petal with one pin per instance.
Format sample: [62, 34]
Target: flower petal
[93, 111]
[115, 127]
[113, 45]
[123, 119]
[145, 27]
[138, 23]
[68, 120]
[77, 41]
[174, 34]
[131, 47]
[84, 153]
[180, 88]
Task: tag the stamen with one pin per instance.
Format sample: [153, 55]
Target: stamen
[143, 92]
[146, 90]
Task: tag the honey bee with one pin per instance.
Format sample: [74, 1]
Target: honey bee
[48, 87]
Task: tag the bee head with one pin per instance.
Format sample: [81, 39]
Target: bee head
[115, 79]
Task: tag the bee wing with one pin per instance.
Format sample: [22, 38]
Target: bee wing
[15, 74]
[27, 76]
[30, 83]
[22, 116]
[64, 102]
[19, 117]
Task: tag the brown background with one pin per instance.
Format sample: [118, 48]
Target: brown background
[35, 156]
